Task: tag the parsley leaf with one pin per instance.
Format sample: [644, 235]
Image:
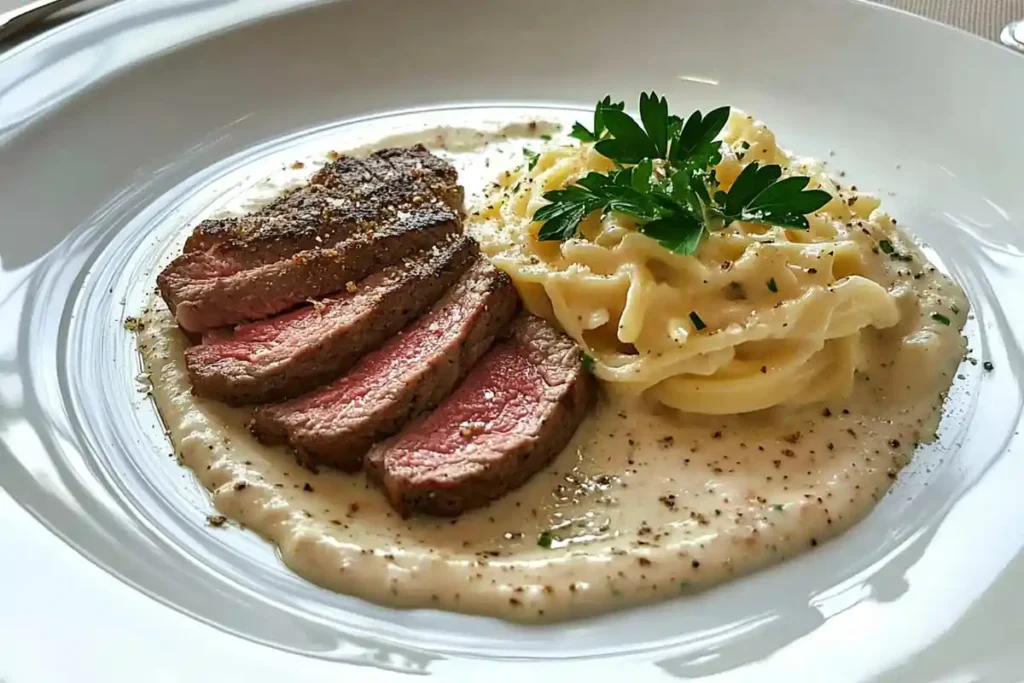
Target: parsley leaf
[531, 158]
[654, 114]
[679, 233]
[580, 132]
[629, 143]
[698, 131]
[759, 196]
[628, 192]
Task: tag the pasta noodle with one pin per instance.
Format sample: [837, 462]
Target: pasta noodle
[782, 312]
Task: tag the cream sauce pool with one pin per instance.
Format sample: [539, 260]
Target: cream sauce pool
[644, 504]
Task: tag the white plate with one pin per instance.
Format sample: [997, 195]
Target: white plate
[112, 126]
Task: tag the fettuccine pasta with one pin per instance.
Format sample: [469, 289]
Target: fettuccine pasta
[758, 317]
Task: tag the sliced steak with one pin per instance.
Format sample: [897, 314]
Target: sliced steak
[410, 374]
[290, 354]
[348, 188]
[291, 250]
[204, 303]
[515, 411]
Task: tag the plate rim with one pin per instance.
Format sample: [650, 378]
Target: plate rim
[107, 17]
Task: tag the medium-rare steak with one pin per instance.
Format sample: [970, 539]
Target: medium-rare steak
[262, 291]
[410, 374]
[246, 268]
[290, 354]
[516, 410]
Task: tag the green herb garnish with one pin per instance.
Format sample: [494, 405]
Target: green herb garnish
[545, 539]
[545, 137]
[697, 322]
[580, 132]
[759, 196]
[772, 286]
[588, 362]
[666, 180]
[531, 158]
[939, 318]
[886, 246]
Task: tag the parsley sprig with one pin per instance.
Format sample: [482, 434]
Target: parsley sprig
[665, 179]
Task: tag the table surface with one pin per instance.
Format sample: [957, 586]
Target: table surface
[984, 17]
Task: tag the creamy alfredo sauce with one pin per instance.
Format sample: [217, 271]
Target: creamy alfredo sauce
[643, 504]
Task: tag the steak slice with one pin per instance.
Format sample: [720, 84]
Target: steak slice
[382, 197]
[204, 303]
[515, 411]
[347, 188]
[410, 374]
[288, 355]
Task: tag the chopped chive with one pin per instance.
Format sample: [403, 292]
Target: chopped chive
[544, 540]
[939, 318]
[954, 308]
[886, 246]
[545, 137]
[778, 507]
[697, 322]
[772, 287]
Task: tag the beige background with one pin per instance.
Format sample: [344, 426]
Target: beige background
[984, 17]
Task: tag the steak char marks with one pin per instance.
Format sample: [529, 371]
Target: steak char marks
[515, 411]
[285, 356]
[410, 374]
[356, 216]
